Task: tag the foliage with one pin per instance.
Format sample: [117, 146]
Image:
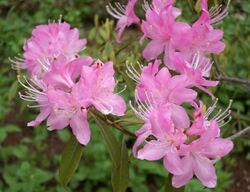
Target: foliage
[30, 157]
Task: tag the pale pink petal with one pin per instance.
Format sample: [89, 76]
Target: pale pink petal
[109, 103]
[179, 116]
[153, 150]
[172, 162]
[205, 171]
[80, 127]
[142, 134]
[218, 148]
[153, 50]
[57, 120]
[44, 112]
[182, 179]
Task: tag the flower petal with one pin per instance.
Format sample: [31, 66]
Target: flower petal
[153, 50]
[153, 150]
[205, 171]
[172, 162]
[80, 127]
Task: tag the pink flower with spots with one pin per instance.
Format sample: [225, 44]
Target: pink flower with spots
[125, 15]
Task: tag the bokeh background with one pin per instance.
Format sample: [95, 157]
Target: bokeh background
[29, 157]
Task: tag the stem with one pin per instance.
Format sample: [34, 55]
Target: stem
[233, 80]
[113, 124]
[240, 133]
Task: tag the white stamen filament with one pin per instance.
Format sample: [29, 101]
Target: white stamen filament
[146, 5]
[125, 87]
[217, 14]
[132, 72]
[144, 108]
[137, 113]
[31, 89]
[114, 12]
[220, 116]
[17, 62]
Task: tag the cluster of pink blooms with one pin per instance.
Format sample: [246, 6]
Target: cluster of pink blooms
[189, 146]
[62, 84]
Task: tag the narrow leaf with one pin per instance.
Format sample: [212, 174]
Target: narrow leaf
[109, 137]
[170, 188]
[118, 154]
[70, 160]
[120, 174]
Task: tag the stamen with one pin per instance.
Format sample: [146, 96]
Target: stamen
[217, 14]
[17, 62]
[211, 108]
[146, 5]
[142, 105]
[221, 125]
[132, 72]
[139, 114]
[227, 110]
[60, 19]
[125, 87]
[220, 116]
[114, 12]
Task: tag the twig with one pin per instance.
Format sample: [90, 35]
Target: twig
[233, 80]
[216, 65]
[240, 133]
[113, 124]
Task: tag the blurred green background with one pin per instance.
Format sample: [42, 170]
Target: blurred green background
[29, 157]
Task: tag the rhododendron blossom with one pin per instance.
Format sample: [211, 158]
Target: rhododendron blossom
[125, 15]
[47, 43]
[66, 86]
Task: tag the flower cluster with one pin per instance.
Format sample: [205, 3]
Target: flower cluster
[188, 145]
[62, 84]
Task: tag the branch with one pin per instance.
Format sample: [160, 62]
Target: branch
[240, 133]
[113, 124]
[233, 80]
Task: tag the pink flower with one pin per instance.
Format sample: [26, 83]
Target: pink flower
[165, 33]
[161, 86]
[125, 15]
[199, 155]
[202, 117]
[67, 110]
[63, 74]
[206, 39]
[196, 71]
[97, 83]
[65, 101]
[47, 43]
[168, 138]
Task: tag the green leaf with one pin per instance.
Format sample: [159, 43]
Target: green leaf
[109, 137]
[118, 154]
[70, 160]
[170, 188]
[120, 174]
